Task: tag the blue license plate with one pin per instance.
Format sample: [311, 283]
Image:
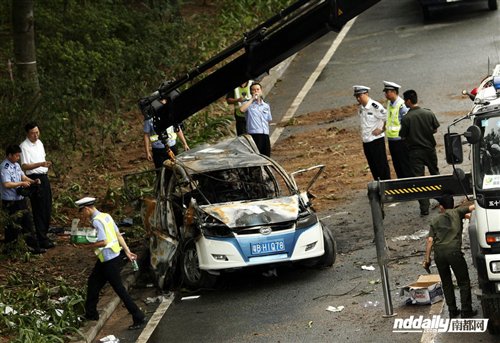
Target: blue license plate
[264, 248]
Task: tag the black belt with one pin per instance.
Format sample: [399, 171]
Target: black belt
[37, 175]
[11, 201]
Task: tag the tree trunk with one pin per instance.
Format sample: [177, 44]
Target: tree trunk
[23, 23]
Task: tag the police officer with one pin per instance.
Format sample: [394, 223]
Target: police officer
[373, 117]
[417, 129]
[155, 150]
[258, 116]
[14, 181]
[396, 110]
[107, 268]
[445, 236]
[236, 98]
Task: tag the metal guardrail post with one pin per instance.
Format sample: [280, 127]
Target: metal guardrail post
[378, 227]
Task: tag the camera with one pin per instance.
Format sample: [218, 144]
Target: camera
[151, 105]
[26, 191]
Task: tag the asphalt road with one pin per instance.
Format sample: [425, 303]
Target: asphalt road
[390, 41]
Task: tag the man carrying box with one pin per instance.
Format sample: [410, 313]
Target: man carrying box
[445, 235]
[107, 268]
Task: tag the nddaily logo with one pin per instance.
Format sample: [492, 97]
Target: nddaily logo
[438, 324]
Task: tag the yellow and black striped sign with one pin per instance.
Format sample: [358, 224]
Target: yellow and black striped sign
[410, 190]
[423, 187]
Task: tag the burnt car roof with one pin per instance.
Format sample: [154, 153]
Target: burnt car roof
[238, 152]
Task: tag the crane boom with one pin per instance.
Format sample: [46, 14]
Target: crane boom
[258, 51]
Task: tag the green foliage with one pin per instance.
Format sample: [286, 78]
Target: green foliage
[204, 127]
[139, 185]
[95, 59]
[39, 312]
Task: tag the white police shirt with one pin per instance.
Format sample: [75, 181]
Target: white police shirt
[372, 117]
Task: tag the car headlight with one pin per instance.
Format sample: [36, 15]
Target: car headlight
[495, 266]
[306, 220]
[212, 227]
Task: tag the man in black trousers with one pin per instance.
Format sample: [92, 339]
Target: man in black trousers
[36, 167]
[373, 117]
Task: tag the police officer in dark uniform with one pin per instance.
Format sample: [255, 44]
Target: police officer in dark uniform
[445, 236]
[418, 127]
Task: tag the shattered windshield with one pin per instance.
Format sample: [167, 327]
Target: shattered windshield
[240, 184]
[488, 151]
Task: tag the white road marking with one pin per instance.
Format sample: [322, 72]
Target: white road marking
[436, 308]
[155, 319]
[312, 79]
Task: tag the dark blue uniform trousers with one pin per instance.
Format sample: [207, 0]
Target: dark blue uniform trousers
[103, 272]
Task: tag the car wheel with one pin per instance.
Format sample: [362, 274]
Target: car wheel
[492, 5]
[192, 276]
[328, 259]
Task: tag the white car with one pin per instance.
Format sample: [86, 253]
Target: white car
[224, 207]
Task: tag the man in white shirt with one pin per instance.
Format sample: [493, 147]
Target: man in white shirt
[258, 117]
[36, 167]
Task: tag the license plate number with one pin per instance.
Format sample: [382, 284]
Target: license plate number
[268, 247]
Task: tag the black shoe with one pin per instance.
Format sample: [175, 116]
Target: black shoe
[47, 244]
[469, 314]
[137, 324]
[92, 316]
[38, 251]
[454, 313]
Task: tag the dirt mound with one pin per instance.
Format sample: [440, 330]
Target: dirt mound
[318, 140]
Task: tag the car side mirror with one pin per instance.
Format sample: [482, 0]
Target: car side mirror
[473, 134]
[453, 148]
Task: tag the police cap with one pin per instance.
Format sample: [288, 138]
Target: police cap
[358, 89]
[87, 201]
[391, 86]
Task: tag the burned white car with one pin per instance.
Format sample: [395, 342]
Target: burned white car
[224, 207]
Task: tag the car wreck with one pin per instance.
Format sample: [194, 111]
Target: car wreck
[224, 207]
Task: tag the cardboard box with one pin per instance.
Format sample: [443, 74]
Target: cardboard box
[82, 235]
[425, 291]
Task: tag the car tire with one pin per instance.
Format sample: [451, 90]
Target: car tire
[328, 258]
[192, 276]
[492, 5]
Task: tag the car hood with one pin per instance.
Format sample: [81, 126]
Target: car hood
[253, 213]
